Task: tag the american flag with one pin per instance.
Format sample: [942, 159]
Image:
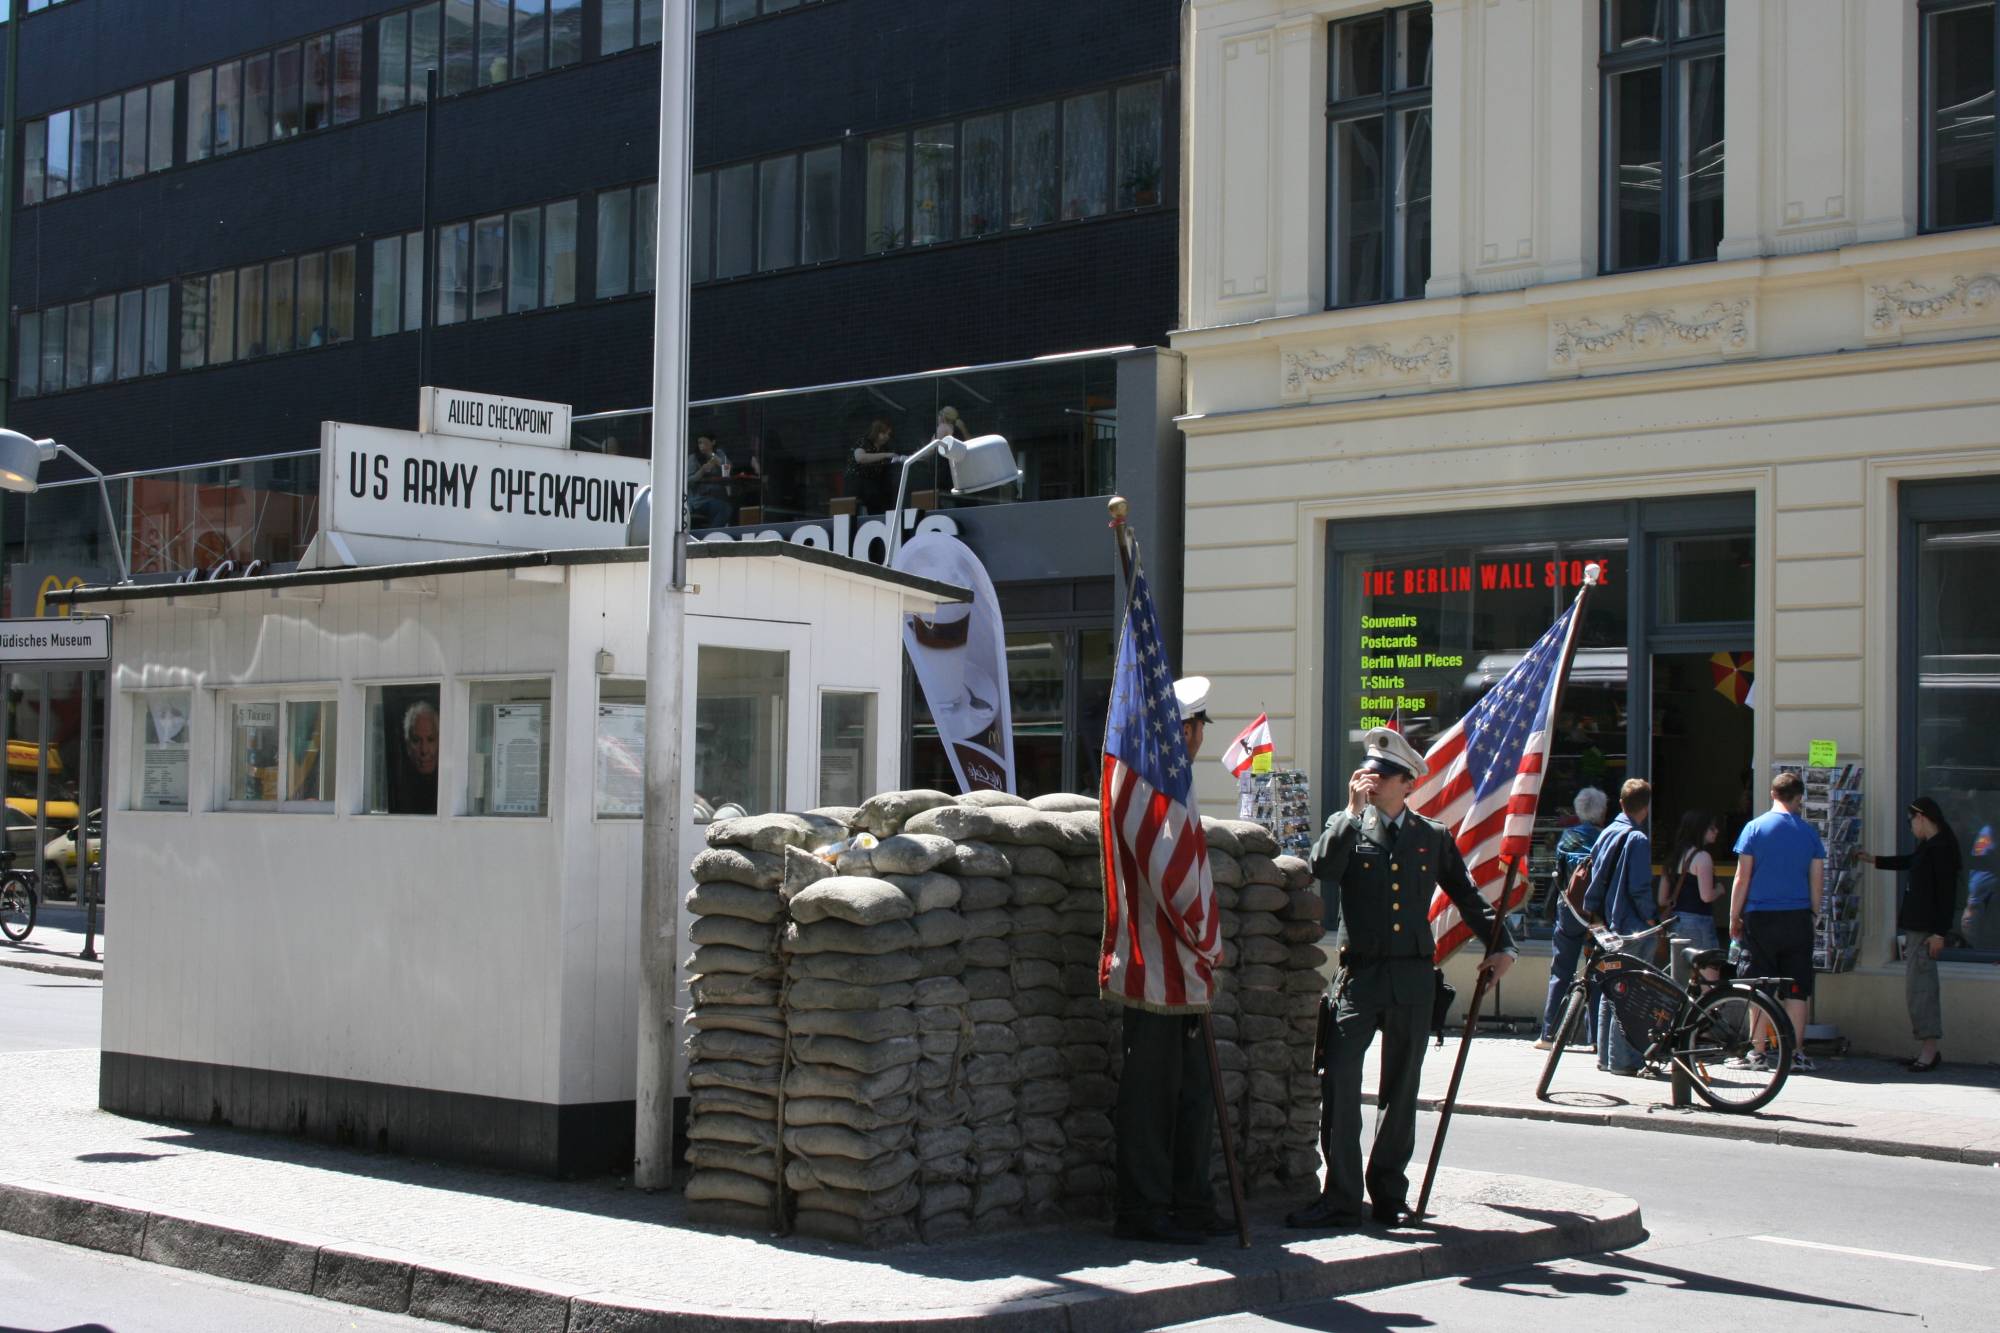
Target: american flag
[1486, 776]
[1162, 937]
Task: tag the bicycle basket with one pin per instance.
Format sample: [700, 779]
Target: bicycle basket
[1646, 1006]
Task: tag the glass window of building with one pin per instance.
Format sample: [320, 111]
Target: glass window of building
[257, 100]
[404, 735]
[1139, 121]
[531, 37]
[58, 155]
[287, 92]
[489, 266]
[614, 242]
[194, 323]
[621, 749]
[1379, 157]
[1949, 702]
[559, 267]
[983, 168]
[83, 147]
[735, 213]
[385, 286]
[134, 139]
[887, 219]
[228, 107]
[1086, 155]
[34, 161]
[509, 769]
[253, 754]
[1960, 57]
[1034, 190]
[846, 747]
[250, 311]
[740, 718]
[155, 343]
[160, 126]
[524, 259]
[317, 81]
[55, 340]
[131, 333]
[104, 340]
[934, 184]
[701, 226]
[347, 75]
[819, 229]
[460, 45]
[392, 63]
[777, 212]
[342, 291]
[645, 237]
[618, 19]
[426, 50]
[1661, 73]
[454, 260]
[28, 354]
[110, 139]
[565, 32]
[281, 313]
[494, 41]
[162, 727]
[312, 300]
[76, 362]
[312, 734]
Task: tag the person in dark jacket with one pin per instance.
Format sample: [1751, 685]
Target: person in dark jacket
[1925, 918]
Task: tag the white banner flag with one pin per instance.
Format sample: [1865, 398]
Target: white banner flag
[960, 654]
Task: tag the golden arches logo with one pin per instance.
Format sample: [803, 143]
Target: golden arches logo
[55, 583]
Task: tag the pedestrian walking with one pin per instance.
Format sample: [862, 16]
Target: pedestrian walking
[1379, 864]
[1572, 849]
[1925, 918]
[1687, 879]
[1621, 894]
[1775, 901]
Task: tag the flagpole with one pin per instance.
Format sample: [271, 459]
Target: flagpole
[1128, 561]
[1591, 574]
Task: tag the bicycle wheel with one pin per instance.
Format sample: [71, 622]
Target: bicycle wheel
[1572, 1019]
[1737, 1048]
[17, 909]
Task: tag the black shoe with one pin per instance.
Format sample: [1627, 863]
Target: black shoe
[1210, 1223]
[1158, 1230]
[1391, 1215]
[1323, 1214]
[1919, 1067]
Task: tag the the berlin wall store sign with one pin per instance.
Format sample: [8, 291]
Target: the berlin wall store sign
[393, 483]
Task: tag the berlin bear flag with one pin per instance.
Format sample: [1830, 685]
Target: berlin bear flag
[1251, 751]
[1485, 776]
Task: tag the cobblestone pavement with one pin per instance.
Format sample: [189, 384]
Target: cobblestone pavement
[598, 1236]
[1851, 1103]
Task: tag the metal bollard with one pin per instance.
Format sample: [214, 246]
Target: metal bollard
[1679, 962]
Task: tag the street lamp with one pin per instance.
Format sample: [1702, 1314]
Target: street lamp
[21, 462]
[976, 465]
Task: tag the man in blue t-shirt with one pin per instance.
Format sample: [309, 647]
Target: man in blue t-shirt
[1774, 903]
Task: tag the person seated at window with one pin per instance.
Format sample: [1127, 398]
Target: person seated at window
[949, 424]
[417, 790]
[708, 486]
[875, 472]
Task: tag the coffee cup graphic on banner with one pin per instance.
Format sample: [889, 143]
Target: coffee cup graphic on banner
[960, 655]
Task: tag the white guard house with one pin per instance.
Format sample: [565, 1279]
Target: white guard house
[379, 827]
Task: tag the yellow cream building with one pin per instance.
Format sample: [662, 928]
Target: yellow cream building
[1475, 293]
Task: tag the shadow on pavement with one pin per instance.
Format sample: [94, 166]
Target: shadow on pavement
[1342, 1317]
[1548, 1282]
[1594, 1101]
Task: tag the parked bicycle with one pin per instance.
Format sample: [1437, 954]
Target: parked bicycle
[1731, 1038]
[19, 902]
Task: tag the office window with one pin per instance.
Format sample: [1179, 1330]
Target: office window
[385, 291]
[28, 355]
[155, 341]
[1661, 73]
[1960, 149]
[58, 155]
[287, 92]
[983, 170]
[34, 161]
[649, 21]
[819, 229]
[426, 49]
[342, 290]
[1086, 155]
[317, 82]
[1379, 158]
[933, 184]
[115, 138]
[228, 107]
[392, 63]
[531, 37]
[110, 145]
[250, 311]
[1033, 191]
[347, 75]
[645, 237]
[131, 333]
[104, 340]
[524, 259]
[493, 40]
[735, 205]
[454, 260]
[257, 101]
[701, 226]
[565, 32]
[194, 323]
[134, 138]
[160, 126]
[413, 281]
[55, 341]
[887, 179]
[614, 243]
[281, 313]
[489, 266]
[559, 263]
[83, 147]
[1139, 120]
[508, 262]
[76, 357]
[617, 18]
[312, 301]
[777, 213]
[459, 45]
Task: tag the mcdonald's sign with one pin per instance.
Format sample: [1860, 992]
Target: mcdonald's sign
[35, 586]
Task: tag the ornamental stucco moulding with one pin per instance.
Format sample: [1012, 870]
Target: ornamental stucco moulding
[1339, 368]
[1918, 306]
[1658, 333]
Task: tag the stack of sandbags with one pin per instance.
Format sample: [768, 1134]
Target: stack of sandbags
[1305, 981]
[736, 1045]
[1090, 1026]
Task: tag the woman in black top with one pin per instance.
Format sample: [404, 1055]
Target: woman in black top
[1925, 918]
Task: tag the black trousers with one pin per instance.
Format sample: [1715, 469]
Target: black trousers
[1403, 1028]
[1166, 1118]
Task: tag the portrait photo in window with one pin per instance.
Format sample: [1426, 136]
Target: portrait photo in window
[404, 726]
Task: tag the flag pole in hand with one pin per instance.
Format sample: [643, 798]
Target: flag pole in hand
[1128, 559]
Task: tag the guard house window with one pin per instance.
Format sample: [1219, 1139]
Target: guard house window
[1961, 53]
[281, 754]
[162, 723]
[739, 731]
[113, 139]
[404, 729]
[621, 749]
[1661, 73]
[1378, 147]
[846, 747]
[509, 772]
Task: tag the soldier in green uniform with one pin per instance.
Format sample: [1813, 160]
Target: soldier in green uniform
[1379, 863]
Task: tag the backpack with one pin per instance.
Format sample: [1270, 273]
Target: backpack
[1579, 882]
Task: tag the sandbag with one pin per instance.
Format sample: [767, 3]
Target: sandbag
[1038, 890]
[823, 1224]
[733, 988]
[723, 898]
[1224, 869]
[1302, 932]
[816, 1141]
[1041, 1030]
[885, 815]
[940, 1017]
[1221, 836]
[773, 833]
[1268, 951]
[1033, 859]
[978, 858]
[801, 868]
[814, 993]
[763, 1020]
[994, 1039]
[987, 983]
[1063, 802]
[738, 865]
[940, 929]
[740, 1074]
[863, 1057]
[739, 1129]
[843, 815]
[943, 961]
[865, 1025]
[929, 891]
[911, 853]
[865, 1117]
[993, 1011]
[1084, 872]
[855, 899]
[732, 1101]
[857, 969]
[1029, 973]
[1043, 1097]
[1264, 898]
[1261, 869]
[741, 1046]
[729, 1157]
[990, 1070]
[735, 932]
[999, 1193]
[729, 1187]
[989, 953]
[980, 893]
[1251, 837]
[1042, 945]
[957, 822]
[1042, 999]
[806, 1080]
[1012, 824]
[832, 935]
[941, 990]
[990, 924]
[874, 1176]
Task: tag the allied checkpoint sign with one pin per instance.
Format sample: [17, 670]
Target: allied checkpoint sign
[412, 486]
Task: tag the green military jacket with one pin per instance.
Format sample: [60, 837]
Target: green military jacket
[1379, 899]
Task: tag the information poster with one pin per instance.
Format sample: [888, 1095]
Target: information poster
[163, 760]
[518, 732]
[621, 760]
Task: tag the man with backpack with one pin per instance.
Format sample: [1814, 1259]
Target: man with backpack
[1572, 853]
[1621, 892]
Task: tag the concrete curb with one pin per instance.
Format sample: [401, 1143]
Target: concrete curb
[35, 963]
[483, 1298]
[1716, 1125]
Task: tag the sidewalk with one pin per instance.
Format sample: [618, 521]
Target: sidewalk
[1855, 1104]
[55, 942]
[507, 1252]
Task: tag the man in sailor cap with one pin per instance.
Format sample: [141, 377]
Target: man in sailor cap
[1379, 862]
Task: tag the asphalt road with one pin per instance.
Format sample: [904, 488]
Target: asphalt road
[1742, 1235]
[43, 1012]
[46, 1286]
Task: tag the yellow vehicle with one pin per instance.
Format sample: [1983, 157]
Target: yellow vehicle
[63, 809]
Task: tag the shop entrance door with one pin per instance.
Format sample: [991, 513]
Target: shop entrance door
[1702, 740]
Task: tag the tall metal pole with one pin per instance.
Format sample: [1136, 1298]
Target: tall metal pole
[428, 244]
[666, 805]
[83, 776]
[42, 785]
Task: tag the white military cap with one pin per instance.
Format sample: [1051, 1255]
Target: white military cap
[1191, 693]
[1386, 747]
